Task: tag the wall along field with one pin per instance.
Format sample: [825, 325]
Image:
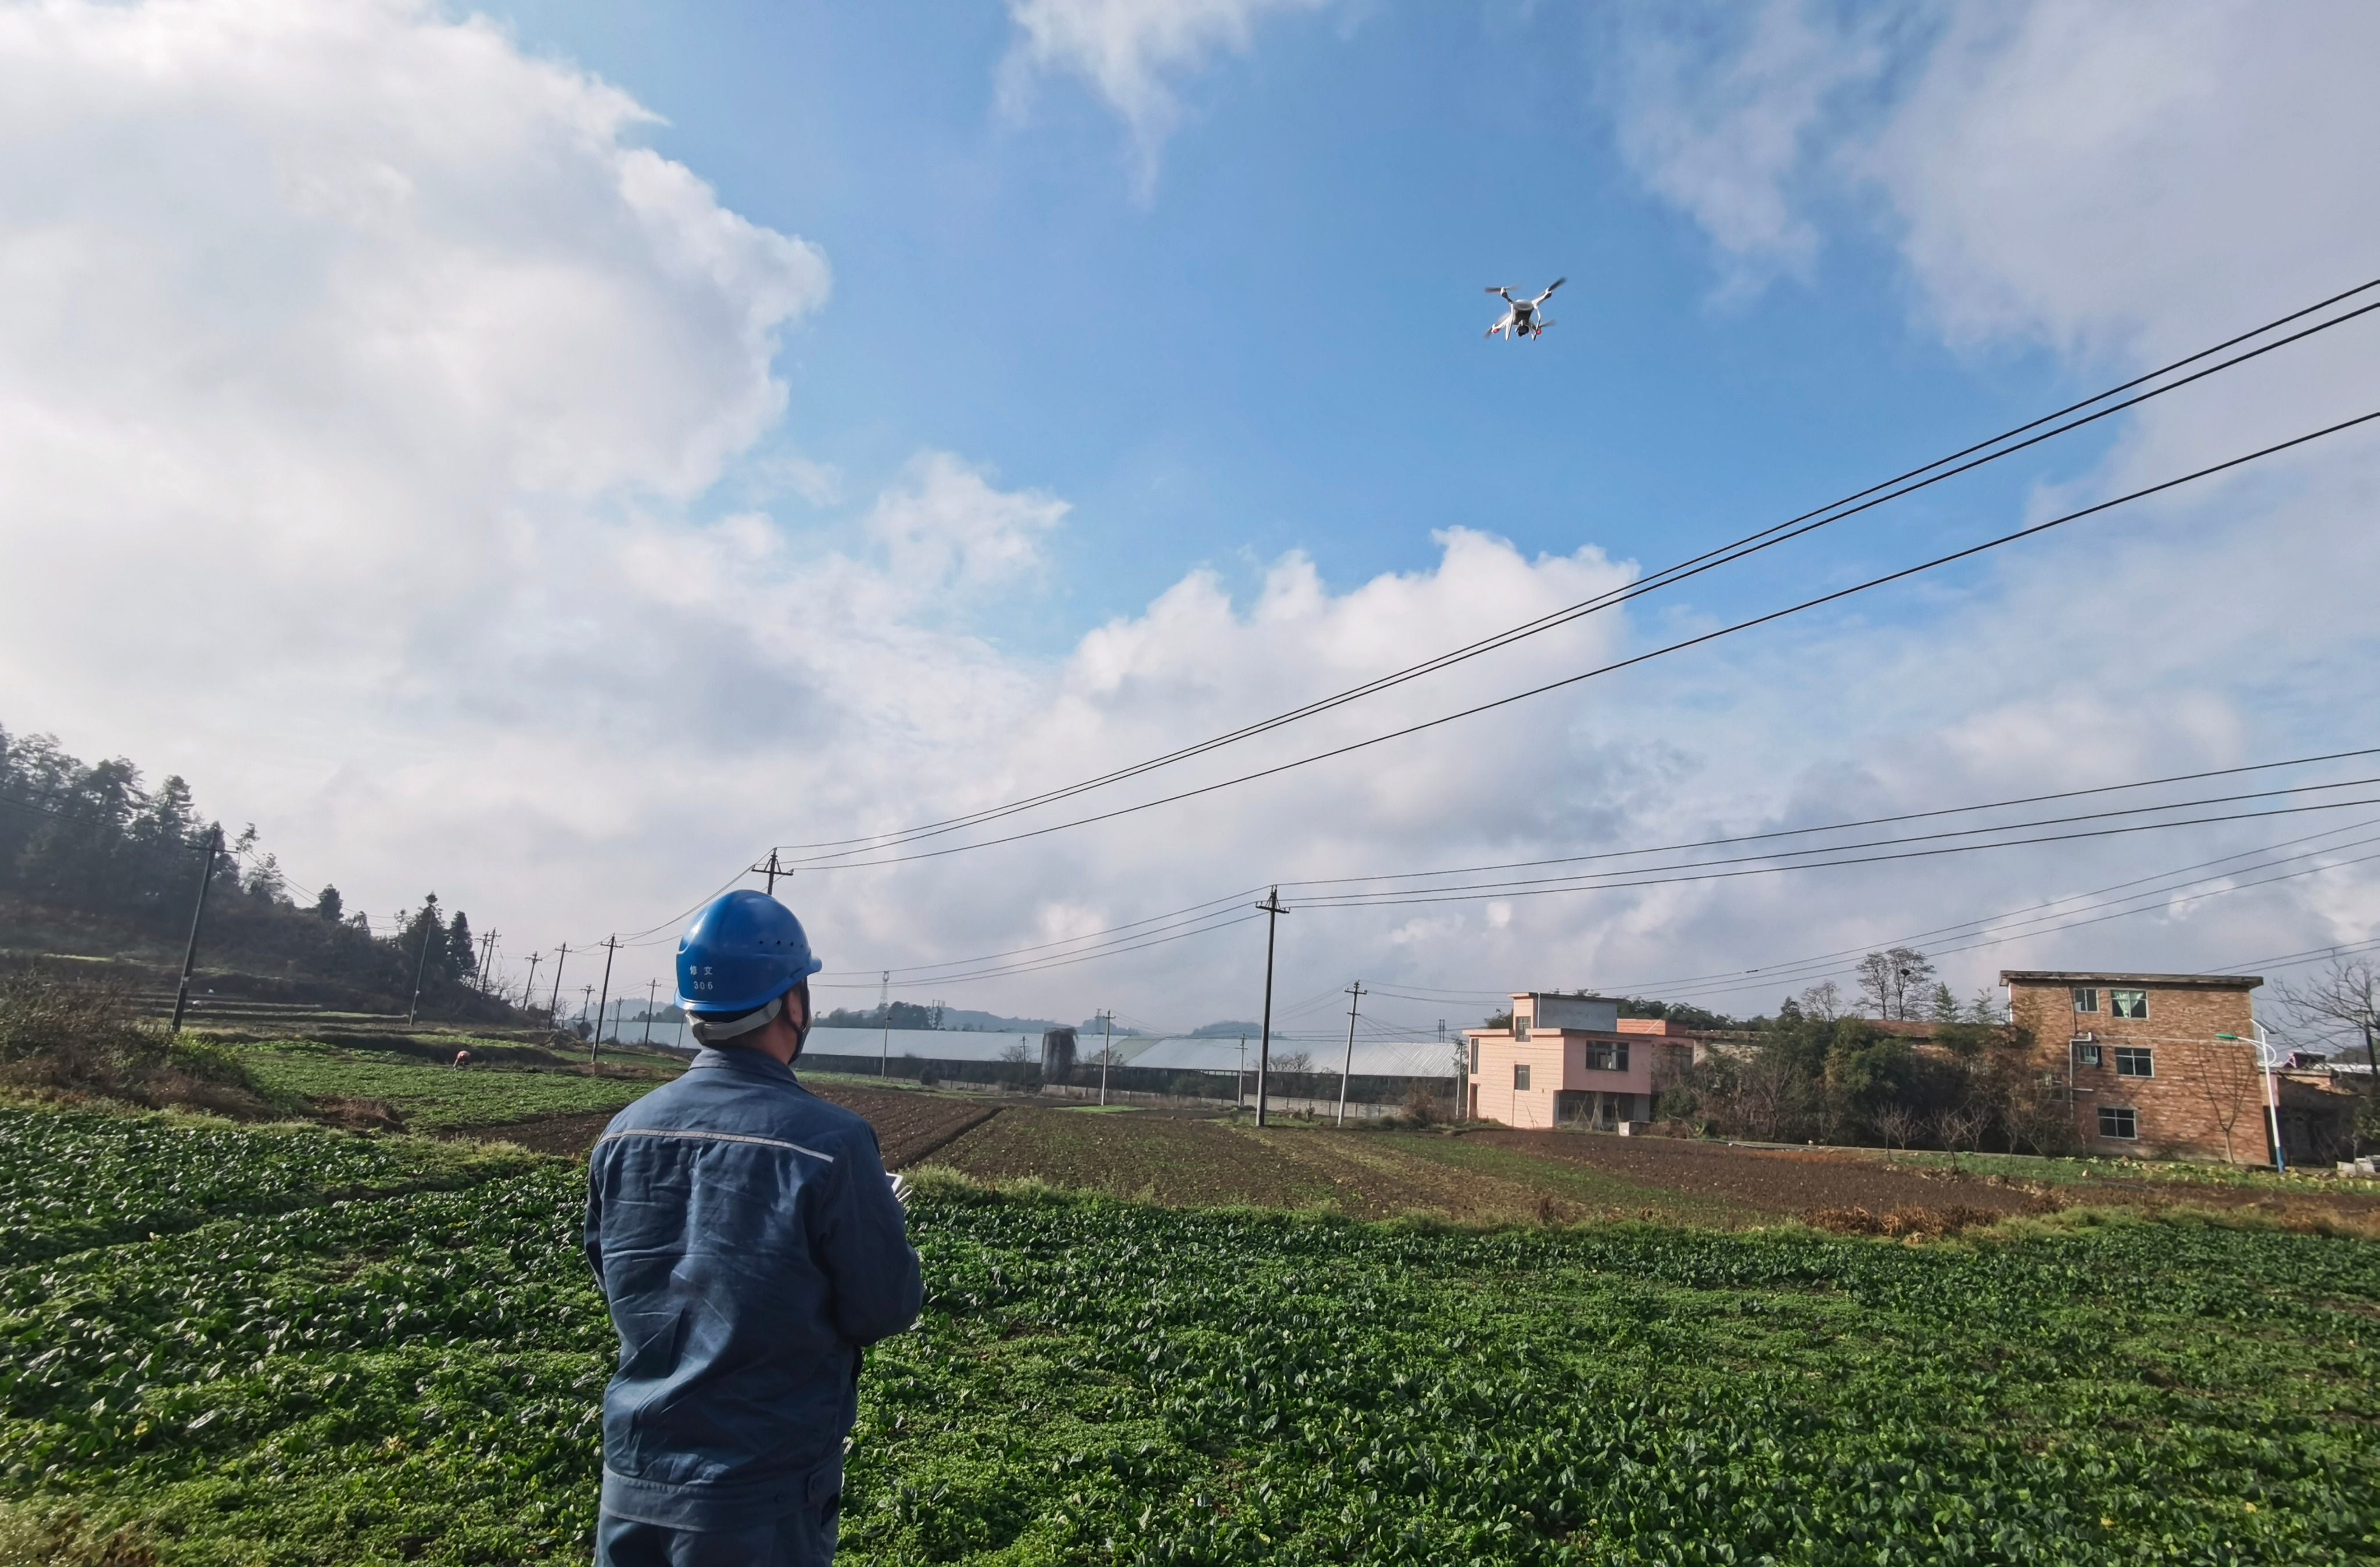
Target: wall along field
[304, 1345]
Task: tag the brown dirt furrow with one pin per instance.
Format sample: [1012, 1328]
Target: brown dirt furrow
[1770, 1181]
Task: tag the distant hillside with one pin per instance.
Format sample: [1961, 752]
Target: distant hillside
[99, 875]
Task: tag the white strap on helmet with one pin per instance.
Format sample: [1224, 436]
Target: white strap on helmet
[728, 1028]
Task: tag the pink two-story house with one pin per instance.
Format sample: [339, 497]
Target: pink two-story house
[1564, 1061]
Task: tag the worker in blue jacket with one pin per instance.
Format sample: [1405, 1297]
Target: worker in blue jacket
[751, 1246]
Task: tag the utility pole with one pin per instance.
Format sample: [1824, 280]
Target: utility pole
[198, 912]
[429, 928]
[1240, 1078]
[586, 1000]
[530, 988]
[1354, 995]
[1272, 907]
[553, 1006]
[611, 949]
[487, 956]
[652, 987]
[1107, 1048]
[884, 1016]
[771, 870]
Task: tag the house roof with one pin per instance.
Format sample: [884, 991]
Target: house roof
[2168, 982]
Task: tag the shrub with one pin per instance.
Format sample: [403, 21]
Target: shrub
[87, 1041]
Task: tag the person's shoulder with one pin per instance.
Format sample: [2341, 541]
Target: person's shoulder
[823, 1118]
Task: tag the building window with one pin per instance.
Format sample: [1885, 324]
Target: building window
[2128, 1003]
[2133, 1060]
[1520, 1075]
[2119, 1120]
[2087, 998]
[1474, 1058]
[2086, 1052]
[1606, 1056]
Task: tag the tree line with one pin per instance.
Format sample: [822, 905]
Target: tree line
[91, 842]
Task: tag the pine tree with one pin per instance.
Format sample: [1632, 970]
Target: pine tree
[462, 953]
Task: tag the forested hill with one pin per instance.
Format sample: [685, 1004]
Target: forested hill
[93, 864]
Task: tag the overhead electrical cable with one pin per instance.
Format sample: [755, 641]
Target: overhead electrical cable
[1853, 505]
[924, 970]
[1589, 881]
[1952, 557]
[1847, 826]
[1650, 880]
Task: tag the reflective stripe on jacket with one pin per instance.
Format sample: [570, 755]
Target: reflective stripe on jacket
[749, 1245]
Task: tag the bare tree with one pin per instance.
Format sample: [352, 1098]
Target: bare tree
[1900, 1125]
[2225, 1081]
[1961, 1127]
[2336, 1007]
[1891, 982]
[1824, 1001]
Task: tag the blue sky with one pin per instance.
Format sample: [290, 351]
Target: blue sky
[609, 439]
[1277, 344]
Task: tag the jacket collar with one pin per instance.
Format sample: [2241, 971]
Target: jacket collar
[742, 1061]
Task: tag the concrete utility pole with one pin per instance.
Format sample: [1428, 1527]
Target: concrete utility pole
[553, 1006]
[429, 928]
[652, 987]
[1107, 1048]
[610, 950]
[198, 912]
[530, 987]
[586, 1000]
[487, 956]
[1354, 995]
[1240, 1078]
[771, 870]
[884, 1013]
[1273, 909]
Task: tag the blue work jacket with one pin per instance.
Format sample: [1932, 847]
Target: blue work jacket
[749, 1245]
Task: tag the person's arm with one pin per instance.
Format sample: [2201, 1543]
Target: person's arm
[594, 1235]
[863, 1246]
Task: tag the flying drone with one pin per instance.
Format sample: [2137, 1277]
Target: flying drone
[1521, 319]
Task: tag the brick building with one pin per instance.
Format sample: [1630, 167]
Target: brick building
[2143, 1060]
[1568, 1061]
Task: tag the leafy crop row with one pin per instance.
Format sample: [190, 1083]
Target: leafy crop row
[434, 1097]
[415, 1376]
[73, 1179]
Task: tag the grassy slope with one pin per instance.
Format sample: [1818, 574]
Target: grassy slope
[412, 1377]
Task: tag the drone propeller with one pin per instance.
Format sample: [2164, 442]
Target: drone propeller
[1556, 282]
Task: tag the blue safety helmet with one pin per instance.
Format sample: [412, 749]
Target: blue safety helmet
[743, 951]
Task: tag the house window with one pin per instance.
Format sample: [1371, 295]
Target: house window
[2086, 1052]
[2128, 1003]
[1606, 1056]
[1520, 1026]
[2133, 1060]
[2087, 998]
[1474, 1058]
[1520, 1075]
[2119, 1120]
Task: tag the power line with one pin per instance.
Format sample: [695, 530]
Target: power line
[1846, 826]
[1590, 881]
[1860, 501]
[1617, 665]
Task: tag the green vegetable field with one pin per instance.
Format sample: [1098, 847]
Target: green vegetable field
[432, 1097]
[405, 1367]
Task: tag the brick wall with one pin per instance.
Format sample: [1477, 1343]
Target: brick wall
[2198, 1082]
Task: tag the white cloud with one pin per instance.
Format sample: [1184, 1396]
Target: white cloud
[1718, 109]
[1127, 52]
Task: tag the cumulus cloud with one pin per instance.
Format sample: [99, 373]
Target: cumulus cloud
[1129, 52]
